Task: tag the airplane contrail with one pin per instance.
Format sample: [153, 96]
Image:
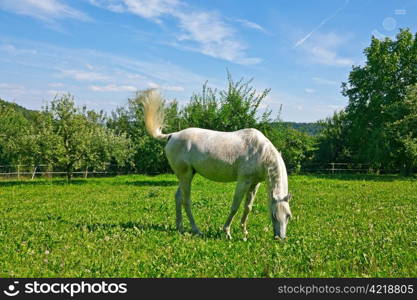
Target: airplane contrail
[301, 41]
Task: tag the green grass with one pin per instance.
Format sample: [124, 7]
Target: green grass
[342, 226]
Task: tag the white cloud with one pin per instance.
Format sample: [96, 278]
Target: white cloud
[59, 68]
[310, 91]
[320, 80]
[55, 92]
[149, 9]
[44, 10]
[56, 84]
[205, 32]
[81, 75]
[113, 88]
[252, 25]
[88, 66]
[172, 88]
[12, 50]
[11, 86]
[323, 49]
[328, 57]
[13, 92]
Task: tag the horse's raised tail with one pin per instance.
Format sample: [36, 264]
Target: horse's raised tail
[153, 109]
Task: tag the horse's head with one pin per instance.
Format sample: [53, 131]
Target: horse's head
[280, 215]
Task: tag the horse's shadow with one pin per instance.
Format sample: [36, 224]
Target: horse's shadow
[125, 225]
[149, 183]
[211, 233]
[214, 234]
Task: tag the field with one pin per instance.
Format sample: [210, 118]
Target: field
[342, 226]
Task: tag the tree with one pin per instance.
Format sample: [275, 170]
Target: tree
[14, 128]
[234, 108]
[82, 141]
[332, 145]
[43, 144]
[297, 147]
[373, 91]
[403, 131]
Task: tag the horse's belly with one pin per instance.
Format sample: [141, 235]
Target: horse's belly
[216, 171]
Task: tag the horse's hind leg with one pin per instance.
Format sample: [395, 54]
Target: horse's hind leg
[250, 197]
[241, 189]
[185, 186]
[178, 208]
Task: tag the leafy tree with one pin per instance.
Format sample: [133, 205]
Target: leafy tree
[374, 90]
[332, 144]
[14, 128]
[234, 108]
[297, 147]
[403, 131]
[82, 139]
[42, 145]
[202, 110]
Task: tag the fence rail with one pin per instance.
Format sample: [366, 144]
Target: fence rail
[31, 171]
[335, 167]
[48, 171]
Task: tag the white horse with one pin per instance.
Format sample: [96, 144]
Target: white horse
[245, 156]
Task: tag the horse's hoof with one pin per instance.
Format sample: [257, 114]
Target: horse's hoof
[197, 232]
[278, 238]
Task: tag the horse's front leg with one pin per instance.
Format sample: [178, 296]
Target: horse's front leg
[250, 197]
[241, 189]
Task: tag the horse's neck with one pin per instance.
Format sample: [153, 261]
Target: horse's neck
[277, 177]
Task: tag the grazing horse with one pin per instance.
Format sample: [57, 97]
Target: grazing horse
[245, 156]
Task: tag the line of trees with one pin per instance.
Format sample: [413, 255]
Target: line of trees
[69, 137]
[61, 135]
[377, 128]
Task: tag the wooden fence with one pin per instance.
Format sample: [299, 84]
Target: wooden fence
[31, 172]
[334, 168]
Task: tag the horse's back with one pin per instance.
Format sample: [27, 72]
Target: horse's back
[219, 156]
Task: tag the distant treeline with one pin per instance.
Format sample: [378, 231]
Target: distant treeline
[378, 128]
[309, 128]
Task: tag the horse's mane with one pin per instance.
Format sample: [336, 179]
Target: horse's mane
[276, 173]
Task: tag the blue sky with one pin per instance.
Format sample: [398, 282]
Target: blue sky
[102, 51]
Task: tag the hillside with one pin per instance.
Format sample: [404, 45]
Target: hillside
[309, 128]
[27, 113]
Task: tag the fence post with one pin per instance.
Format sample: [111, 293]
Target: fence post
[34, 172]
[18, 172]
[332, 168]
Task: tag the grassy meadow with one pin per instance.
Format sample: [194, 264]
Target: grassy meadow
[342, 226]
